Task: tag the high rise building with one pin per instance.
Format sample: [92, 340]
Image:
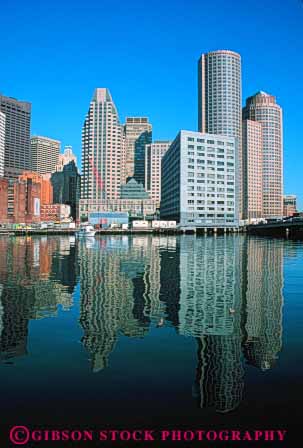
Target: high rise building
[17, 149]
[2, 143]
[65, 158]
[219, 99]
[45, 154]
[263, 108]
[252, 146]
[153, 157]
[289, 205]
[66, 186]
[138, 133]
[103, 149]
[199, 185]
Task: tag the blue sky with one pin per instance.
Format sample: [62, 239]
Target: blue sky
[54, 53]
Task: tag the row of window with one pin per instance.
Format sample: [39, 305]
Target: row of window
[209, 142]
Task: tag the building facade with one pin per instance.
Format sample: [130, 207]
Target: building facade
[219, 98]
[252, 146]
[45, 154]
[3, 200]
[103, 149]
[199, 181]
[133, 200]
[133, 190]
[46, 189]
[2, 143]
[66, 186]
[289, 205]
[17, 149]
[137, 208]
[153, 157]
[55, 212]
[26, 203]
[263, 108]
[138, 133]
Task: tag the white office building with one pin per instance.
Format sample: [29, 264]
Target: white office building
[199, 181]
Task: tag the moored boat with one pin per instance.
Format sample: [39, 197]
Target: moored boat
[86, 231]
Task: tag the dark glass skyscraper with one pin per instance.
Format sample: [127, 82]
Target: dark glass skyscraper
[66, 186]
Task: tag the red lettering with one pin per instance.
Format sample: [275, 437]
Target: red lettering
[148, 435]
[164, 435]
[235, 435]
[102, 435]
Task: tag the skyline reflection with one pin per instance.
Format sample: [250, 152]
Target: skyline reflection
[224, 292]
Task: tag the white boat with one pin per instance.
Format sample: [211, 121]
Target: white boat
[86, 231]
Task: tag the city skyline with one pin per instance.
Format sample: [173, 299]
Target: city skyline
[261, 68]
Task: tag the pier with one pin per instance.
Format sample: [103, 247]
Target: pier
[286, 229]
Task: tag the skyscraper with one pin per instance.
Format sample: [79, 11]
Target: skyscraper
[263, 108]
[138, 133]
[66, 186]
[103, 149]
[219, 99]
[45, 154]
[153, 156]
[252, 169]
[17, 149]
[2, 143]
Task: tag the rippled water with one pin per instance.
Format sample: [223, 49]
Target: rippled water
[132, 330]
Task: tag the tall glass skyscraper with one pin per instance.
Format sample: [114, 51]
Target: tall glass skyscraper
[263, 108]
[219, 99]
[103, 149]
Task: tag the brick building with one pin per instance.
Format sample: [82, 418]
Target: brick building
[3, 200]
[45, 184]
[55, 212]
[20, 200]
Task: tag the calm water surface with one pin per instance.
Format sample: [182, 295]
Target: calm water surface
[145, 331]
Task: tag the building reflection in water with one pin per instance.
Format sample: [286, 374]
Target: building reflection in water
[264, 301]
[210, 310]
[36, 275]
[120, 291]
[224, 292]
[234, 300]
